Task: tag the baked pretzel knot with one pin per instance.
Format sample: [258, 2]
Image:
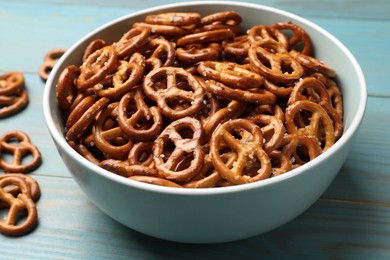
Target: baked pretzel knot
[49, 62]
[271, 59]
[179, 141]
[174, 83]
[13, 98]
[18, 144]
[145, 123]
[231, 74]
[16, 206]
[245, 139]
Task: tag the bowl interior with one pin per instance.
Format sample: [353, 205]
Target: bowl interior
[327, 48]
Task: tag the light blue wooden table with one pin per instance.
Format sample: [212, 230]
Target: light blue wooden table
[350, 221]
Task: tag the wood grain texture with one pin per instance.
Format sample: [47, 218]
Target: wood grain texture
[71, 227]
[31, 43]
[350, 221]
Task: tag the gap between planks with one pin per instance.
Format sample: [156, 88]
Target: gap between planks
[354, 202]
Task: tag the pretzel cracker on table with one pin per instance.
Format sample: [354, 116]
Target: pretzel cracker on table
[207, 104]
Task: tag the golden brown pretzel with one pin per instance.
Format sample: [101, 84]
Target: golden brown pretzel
[96, 67]
[194, 53]
[19, 145]
[10, 82]
[113, 142]
[141, 154]
[13, 103]
[281, 163]
[313, 64]
[190, 146]
[248, 148]
[267, 33]
[231, 74]
[210, 105]
[272, 128]
[255, 95]
[155, 180]
[161, 49]
[299, 40]
[236, 29]
[83, 115]
[282, 67]
[174, 18]
[227, 17]
[207, 177]
[334, 91]
[122, 168]
[49, 62]
[66, 90]
[16, 207]
[218, 35]
[163, 96]
[221, 115]
[83, 150]
[165, 30]
[35, 190]
[237, 47]
[279, 89]
[316, 92]
[131, 41]
[151, 64]
[145, 123]
[125, 78]
[319, 124]
[292, 148]
[92, 47]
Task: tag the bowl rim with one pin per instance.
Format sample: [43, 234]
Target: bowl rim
[60, 140]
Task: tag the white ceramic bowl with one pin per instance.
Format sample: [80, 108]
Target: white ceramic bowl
[219, 214]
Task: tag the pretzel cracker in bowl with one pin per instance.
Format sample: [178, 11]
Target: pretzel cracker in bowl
[175, 80]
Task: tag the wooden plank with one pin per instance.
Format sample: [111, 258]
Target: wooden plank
[368, 41]
[71, 227]
[26, 49]
[376, 10]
